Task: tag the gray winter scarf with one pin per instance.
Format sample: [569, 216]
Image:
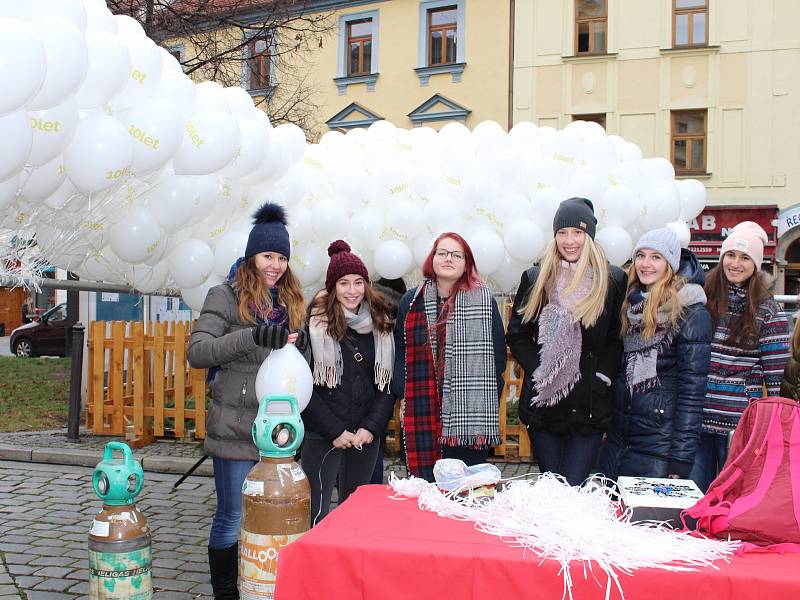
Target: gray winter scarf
[328, 364]
[641, 356]
[468, 385]
[560, 339]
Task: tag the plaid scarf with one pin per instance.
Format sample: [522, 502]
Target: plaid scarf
[275, 315]
[463, 411]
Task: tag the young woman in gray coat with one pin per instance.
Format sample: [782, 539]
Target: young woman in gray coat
[258, 309]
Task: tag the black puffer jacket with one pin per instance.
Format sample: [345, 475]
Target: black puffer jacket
[356, 402]
[655, 433]
[587, 408]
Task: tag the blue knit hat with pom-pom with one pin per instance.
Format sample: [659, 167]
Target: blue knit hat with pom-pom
[269, 233]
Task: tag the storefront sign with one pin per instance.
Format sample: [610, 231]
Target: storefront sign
[713, 225]
[788, 219]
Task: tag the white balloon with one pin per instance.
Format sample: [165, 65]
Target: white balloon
[524, 241]
[171, 201]
[147, 279]
[693, 198]
[229, 247]
[16, 139]
[292, 141]
[99, 154]
[108, 69]
[128, 26]
[99, 18]
[441, 214]
[392, 259]
[70, 10]
[365, 230]
[41, 182]
[67, 61]
[308, 262]
[285, 372]
[195, 297]
[23, 64]
[135, 235]
[210, 141]
[620, 206]
[144, 75]
[616, 243]
[254, 147]
[404, 220]
[661, 205]
[682, 232]
[190, 263]
[65, 193]
[420, 248]
[156, 132]
[181, 90]
[488, 249]
[102, 265]
[53, 129]
[241, 104]
[657, 169]
[506, 278]
[329, 220]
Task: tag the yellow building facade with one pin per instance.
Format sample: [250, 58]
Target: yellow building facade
[712, 85]
[412, 62]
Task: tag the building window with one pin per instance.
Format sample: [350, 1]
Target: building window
[599, 118]
[359, 47]
[689, 22]
[689, 141]
[258, 63]
[591, 25]
[442, 35]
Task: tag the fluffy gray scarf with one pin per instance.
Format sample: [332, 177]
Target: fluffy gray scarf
[328, 364]
[560, 339]
[641, 355]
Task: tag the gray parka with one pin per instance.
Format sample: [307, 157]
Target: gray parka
[221, 339]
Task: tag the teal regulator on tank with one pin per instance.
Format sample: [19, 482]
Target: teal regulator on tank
[117, 481]
[278, 429]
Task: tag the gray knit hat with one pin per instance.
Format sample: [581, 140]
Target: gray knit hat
[577, 213]
[665, 242]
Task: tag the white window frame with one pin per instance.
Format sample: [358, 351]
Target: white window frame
[272, 62]
[423, 70]
[342, 79]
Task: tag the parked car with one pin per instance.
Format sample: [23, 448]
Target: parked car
[45, 336]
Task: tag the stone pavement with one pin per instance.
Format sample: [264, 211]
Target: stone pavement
[47, 505]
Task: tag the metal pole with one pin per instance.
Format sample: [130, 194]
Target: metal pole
[75, 382]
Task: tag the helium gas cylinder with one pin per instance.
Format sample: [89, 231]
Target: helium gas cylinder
[276, 497]
[119, 540]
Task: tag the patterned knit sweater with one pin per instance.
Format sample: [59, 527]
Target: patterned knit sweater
[737, 374]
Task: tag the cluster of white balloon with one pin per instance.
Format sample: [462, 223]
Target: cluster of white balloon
[123, 170]
[118, 165]
[390, 191]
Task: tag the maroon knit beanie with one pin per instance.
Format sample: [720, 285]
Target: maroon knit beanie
[343, 262]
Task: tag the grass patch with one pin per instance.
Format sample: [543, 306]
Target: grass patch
[34, 393]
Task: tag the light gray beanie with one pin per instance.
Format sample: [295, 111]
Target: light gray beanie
[665, 242]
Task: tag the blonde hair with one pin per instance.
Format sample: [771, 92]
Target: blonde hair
[590, 307]
[254, 292]
[664, 291]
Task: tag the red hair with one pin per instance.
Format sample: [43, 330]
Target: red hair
[469, 280]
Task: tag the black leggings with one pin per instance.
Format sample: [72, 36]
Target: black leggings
[470, 456]
[352, 467]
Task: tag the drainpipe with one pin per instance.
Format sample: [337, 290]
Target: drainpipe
[511, 26]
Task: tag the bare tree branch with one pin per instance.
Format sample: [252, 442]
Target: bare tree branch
[215, 36]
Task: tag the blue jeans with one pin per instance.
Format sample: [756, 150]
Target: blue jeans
[572, 456]
[712, 452]
[228, 478]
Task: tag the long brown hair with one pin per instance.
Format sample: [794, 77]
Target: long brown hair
[253, 291]
[663, 291]
[744, 328]
[328, 307]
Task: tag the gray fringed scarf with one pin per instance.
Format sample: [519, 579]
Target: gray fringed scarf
[327, 351]
[641, 356]
[561, 340]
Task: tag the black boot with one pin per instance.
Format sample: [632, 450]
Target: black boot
[224, 566]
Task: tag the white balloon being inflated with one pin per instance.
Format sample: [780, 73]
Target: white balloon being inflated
[283, 372]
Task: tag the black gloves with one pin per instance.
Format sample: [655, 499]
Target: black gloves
[270, 336]
[302, 340]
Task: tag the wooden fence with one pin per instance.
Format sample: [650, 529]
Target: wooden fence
[140, 383]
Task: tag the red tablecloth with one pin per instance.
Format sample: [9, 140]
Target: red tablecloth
[376, 548]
